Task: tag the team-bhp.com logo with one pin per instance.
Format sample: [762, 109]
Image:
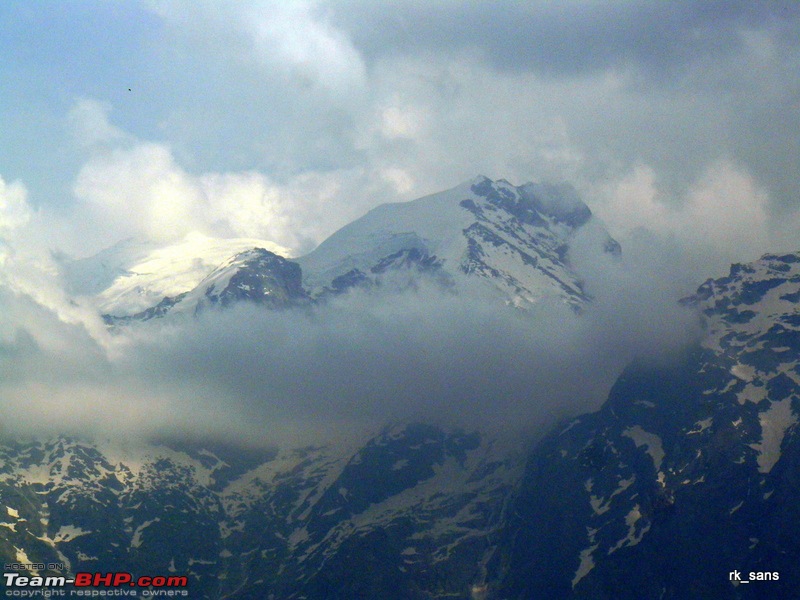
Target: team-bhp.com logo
[120, 583]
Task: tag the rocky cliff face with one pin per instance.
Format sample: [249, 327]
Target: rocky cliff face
[258, 276]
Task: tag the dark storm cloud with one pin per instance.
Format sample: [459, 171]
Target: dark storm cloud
[561, 38]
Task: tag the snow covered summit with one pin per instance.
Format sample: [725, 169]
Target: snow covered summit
[134, 275]
[515, 238]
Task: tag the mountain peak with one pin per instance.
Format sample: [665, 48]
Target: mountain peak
[514, 238]
[256, 275]
[559, 201]
[753, 300]
[478, 180]
[135, 275]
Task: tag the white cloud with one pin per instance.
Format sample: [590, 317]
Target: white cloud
[443, 120]
[138, 189]
[296, 36]
[727, 207]
[725, 213]
[402, 122]
[138, 192]
[30, 290]
[14, 209]
[245, 205]
[90, 123]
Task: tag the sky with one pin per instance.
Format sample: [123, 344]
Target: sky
[677, 122]
[286, 120]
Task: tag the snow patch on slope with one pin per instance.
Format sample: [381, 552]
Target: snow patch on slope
[774, 423]
[651, 442]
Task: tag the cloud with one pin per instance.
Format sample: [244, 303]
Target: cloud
[558, 39]
[29, 280]
[286, 121]
[725, 215]
[359, 361]
[90, 123]
[259, 85]
[138, 189]
[427, 95]
[411, 98]
[295, 36]
[15, 212]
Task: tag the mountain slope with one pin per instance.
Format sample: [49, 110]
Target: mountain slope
[256, 275]
[688, 472]
[419, 505]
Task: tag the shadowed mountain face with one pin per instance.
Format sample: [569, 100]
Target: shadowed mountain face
[412, 512]
[258, 276]
[688, 472]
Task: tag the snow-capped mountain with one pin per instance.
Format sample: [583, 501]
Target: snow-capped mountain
[688, 473]
[255, 275]
[133, 275]
[514, 238]
[418, 507]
